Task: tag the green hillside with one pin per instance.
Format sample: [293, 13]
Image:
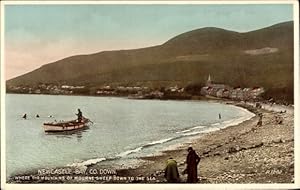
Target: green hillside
[185, 59]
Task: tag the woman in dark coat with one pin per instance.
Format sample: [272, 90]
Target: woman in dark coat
[192, 162]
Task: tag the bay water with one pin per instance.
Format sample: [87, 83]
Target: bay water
[122, 130]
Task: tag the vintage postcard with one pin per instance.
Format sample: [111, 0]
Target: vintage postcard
[198, 94]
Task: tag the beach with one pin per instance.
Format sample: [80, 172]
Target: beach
[242, 153]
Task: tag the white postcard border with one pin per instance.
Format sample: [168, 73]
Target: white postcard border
[157, 186]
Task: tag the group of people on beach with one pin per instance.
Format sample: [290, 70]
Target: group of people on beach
[192, 161]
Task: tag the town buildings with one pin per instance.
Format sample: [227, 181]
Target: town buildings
[234, 93]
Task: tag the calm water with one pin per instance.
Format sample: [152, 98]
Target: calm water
[123, 129]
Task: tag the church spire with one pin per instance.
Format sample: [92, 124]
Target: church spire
[208, 82]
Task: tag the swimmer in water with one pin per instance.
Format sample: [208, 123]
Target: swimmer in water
[24, 116]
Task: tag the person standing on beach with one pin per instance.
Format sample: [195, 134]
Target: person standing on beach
[192, 162]
[171, 171]
[259, 123]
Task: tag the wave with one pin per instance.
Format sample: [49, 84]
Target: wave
[153, 143]
[192, 133]
[87, 162]
[123, 154]
[191, 129]
[185, 133]
[198, 127]
[211, 129]
[238, 121]
[216, 124]
[229, 121]
[160, 141]
[120, 155]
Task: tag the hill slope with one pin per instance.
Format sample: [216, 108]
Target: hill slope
[254, 58]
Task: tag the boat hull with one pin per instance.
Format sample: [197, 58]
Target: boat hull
[61, 127]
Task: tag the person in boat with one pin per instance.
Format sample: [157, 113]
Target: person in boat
[24, 116]
[192, 161]
[79, 115]
[171, 171]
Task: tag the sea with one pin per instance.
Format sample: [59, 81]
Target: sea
[123, 130]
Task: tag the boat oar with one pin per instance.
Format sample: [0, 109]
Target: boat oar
[90, 121]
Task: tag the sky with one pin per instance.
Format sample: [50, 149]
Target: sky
[39, 34]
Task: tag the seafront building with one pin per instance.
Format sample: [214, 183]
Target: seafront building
[226, 91]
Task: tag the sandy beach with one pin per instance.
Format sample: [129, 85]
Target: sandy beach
[244, 153]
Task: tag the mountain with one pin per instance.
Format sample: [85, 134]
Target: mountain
[262, 57]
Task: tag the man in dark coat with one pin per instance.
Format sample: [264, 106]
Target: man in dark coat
[171, 171]
[79, 115]
[192, 162]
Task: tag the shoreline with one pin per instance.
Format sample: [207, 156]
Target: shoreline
[209, 146]
[239, 146]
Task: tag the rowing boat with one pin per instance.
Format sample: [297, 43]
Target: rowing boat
[66, 125]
